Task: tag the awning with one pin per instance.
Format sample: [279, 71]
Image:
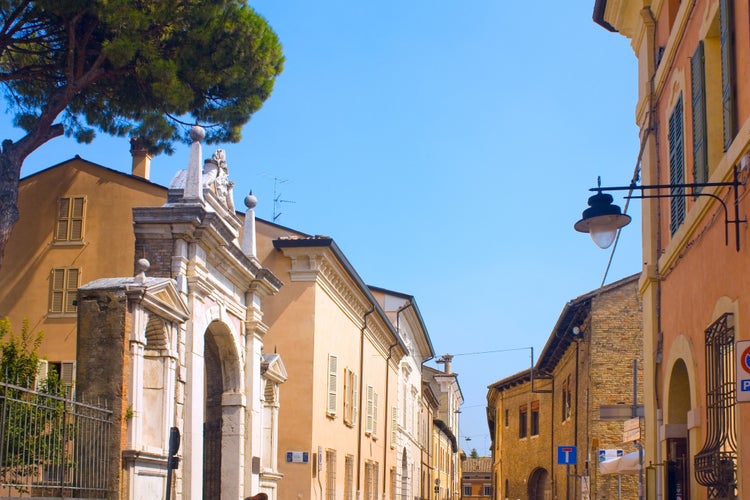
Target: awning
[626, 464]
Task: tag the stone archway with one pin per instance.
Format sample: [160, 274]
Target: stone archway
[678, 455]
[539, 485]
[222, 421]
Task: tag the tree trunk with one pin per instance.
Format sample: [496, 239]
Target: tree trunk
[10, 175]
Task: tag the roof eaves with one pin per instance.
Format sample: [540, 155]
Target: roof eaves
[326, 241]
[599, 7]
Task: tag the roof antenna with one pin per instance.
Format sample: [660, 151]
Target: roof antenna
[277, 198]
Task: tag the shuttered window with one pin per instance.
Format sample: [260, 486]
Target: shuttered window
[700, 136]
[333, 361]
[63, 287]
[676, 168]
[371, 424]
[69, 226]
[351, 394]
[728, 99]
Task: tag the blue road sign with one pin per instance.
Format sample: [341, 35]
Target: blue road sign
[566, 455]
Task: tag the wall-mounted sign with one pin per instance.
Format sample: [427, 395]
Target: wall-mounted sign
[566, 455]
[742, 348]
[297, 457]
[631, 430]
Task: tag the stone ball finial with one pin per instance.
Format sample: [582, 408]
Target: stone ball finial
[251, 201]
[142, 266]
[197, 133]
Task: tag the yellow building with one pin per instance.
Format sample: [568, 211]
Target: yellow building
[342, 426]
[76, 225]
[476, 479]
[576, 397]
[693, 112]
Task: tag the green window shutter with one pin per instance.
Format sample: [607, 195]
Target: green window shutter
[676, 168]
[700, 137]
[726, 29]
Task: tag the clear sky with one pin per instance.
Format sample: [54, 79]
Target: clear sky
[448, 148]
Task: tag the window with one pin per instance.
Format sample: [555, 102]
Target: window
[726, 27]
[716, 463]
[488, 491]
[676, 168]
[535, 418]
[567, 398]
[349, 477]
[331, 475]
[351, 393]
[467, 490]
[332, 369]
[523, 415]
[507, 418]
[371, 425]
[63, 287]
[394, 426]
[371, 481]
[69, 219]
[700, 132]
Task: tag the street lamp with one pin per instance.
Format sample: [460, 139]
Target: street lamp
[603, 219]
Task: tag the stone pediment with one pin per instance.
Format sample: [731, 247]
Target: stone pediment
[272, 368]
[161, 297]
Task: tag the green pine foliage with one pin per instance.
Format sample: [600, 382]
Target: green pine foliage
[140, 68]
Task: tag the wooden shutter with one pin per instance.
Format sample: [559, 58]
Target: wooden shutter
[76, 219]
[726, 33]
[355, 397]
[676, 168]
[68, 373]
[63, 210]
[71, 287]
[370, 418]
[332, 369]
[57, 290]
[374, 413]
[700, 137]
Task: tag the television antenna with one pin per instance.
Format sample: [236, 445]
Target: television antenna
[277, 199]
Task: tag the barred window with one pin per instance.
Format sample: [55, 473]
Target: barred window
[331, 475]
[716, 463]
[349, 477]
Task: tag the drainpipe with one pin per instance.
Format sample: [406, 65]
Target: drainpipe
[359, 412]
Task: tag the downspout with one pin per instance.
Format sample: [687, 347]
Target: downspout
[359, 404]
[575, 439]
[387, 392]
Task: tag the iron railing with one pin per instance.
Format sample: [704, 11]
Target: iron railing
[52, 446]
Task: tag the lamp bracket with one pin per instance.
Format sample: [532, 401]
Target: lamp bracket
[680, 191]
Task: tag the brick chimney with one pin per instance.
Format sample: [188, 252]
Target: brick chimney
[141, 158]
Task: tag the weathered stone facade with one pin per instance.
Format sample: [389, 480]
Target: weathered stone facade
[578, 394]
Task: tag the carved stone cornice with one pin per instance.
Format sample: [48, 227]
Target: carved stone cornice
[322, 265]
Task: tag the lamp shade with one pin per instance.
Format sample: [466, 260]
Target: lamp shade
[602, 220]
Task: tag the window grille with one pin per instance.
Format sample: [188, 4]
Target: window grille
[331, 475]
[349, 478]
[716, 463]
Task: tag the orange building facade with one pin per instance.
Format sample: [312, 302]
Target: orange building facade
[693, 111]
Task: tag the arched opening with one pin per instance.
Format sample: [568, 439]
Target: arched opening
[222, 375]
[539, 485]
[678, 455]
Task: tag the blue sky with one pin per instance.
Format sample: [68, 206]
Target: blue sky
[448, 148]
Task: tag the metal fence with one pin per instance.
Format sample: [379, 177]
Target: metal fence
[52, 446]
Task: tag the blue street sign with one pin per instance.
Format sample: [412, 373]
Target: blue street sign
[566, 455]
[745, 385]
